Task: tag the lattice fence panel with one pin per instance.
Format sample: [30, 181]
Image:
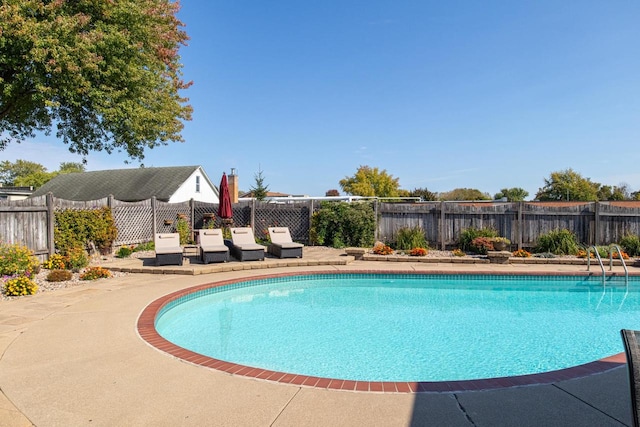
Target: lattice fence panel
[134, 222]
[167, 215]
[294, 215]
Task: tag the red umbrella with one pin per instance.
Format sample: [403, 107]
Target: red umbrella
[224, 207]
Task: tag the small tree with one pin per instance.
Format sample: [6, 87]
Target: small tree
[424, 194]
[370, 182]
[515, 194]
[259, 191]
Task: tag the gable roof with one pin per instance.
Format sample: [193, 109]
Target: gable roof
[129, 185]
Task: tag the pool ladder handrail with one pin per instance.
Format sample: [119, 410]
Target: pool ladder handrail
[612, 247]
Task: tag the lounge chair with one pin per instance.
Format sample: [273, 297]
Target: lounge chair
[630, 339]
[281, 244]
[243, 245]
[212, 247]
[168, 250]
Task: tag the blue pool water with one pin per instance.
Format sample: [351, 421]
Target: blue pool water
[406, 328]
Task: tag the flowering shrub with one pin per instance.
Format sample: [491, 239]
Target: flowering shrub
[481, 245]
[458, 252]
[583, 254]
[93, 273]
[55, 262]
[617, 254]
[77, 258]
[382, 249]
[418, 252]
[19, 286]
[17, 260]
[521, 253]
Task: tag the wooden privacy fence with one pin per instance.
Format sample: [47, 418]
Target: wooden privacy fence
[30, 222]
[594, 223]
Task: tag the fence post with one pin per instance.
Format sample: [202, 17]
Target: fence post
[253, 213]
[596, 231]
[310, 221]
[441, 227]
[51, 244]
[375, 212]
[154, 216]
[192, 216]
[520, 224]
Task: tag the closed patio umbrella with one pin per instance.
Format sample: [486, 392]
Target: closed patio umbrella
[225, 211]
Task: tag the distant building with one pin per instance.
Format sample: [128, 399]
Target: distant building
[168, 184]
[14, 193]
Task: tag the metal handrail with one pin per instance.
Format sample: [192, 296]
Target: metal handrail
[624, 265]
[599, 261]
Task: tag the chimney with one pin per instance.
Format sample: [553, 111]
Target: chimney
[233, 186]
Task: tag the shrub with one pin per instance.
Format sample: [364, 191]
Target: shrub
[19, 286]
[75, 228]
[481, 245]
[59, 275]
[382, 249]
[124, 252]
[341, 224]
[77, 259]
[146, 246]
[411, 237]
[468, 234]
[558, 242]
[93, 273]
[17, 260]
[521, 253]
[183, 229]
[418, 252]
[617, 255]
[55, 262]
[458, 252]
[630, 243]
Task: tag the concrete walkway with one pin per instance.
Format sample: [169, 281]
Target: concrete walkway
[73, 357]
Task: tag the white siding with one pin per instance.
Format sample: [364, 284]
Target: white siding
[187, 190]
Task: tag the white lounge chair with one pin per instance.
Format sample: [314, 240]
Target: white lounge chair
[282, 245]
[244, 246]
[212, 247]
[168, 249]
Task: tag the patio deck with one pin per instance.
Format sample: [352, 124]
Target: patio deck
[73, 357]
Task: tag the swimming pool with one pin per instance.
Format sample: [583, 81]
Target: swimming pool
[404, 327]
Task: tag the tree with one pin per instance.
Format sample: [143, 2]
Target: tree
[617, 192]
[568, 185]
[424, 194]
[370, 182]
[332, 193]
[106, 73]
[71, 167]
[515, 194]
[14, 173]
[465, 194]
[260, 190]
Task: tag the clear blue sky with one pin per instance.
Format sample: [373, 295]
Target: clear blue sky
[440, 94]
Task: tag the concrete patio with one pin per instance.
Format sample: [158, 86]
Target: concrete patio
[73, 357]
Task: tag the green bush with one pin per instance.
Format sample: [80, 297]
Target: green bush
[342, 224]
[17, 260]
[411, 237]
[59, 276]
[19, 286]
[469, 234]
[558, 242]
[77, 259]
[183, 229]
[146, 246]
[630, 243]
[124, 252]
[56, 262]
[75, 228]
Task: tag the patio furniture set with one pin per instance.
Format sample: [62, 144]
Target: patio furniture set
[214, 248]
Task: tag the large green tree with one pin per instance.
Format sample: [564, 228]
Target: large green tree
[464, 194]
[568, 185]
[105, 74]
[371, 182]
[515, 194]
[24, 173]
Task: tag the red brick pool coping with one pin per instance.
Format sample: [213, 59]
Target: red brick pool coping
[147, 331]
